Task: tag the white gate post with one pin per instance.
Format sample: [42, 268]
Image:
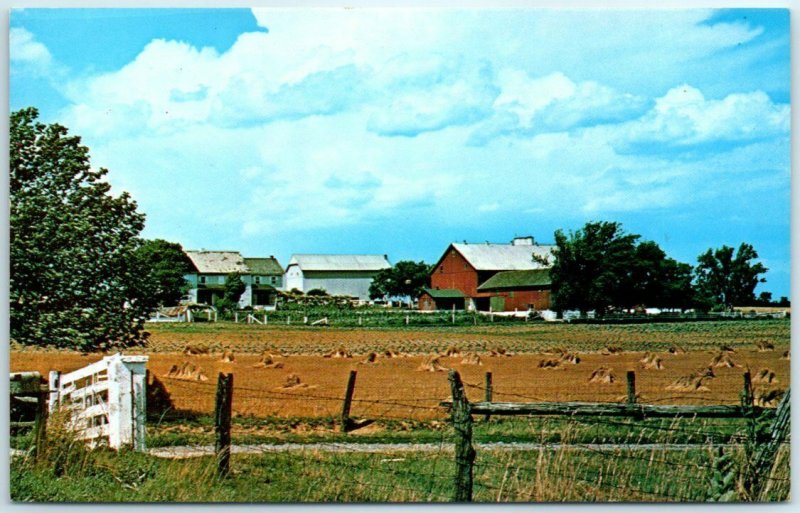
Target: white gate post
[54, 384]
[126, 400]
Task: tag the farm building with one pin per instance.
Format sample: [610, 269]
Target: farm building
[261, 276]
[338, 275]
[497, 277]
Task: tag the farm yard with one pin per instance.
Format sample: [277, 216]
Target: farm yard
[289, 383]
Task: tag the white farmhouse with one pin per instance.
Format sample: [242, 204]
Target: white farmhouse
[338, 275]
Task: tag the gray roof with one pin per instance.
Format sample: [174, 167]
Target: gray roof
[504, 257]
[217, 262]
[308, 262]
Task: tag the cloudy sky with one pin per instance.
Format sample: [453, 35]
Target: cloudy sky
[275, 132]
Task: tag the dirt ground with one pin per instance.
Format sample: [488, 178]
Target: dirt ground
[394, 387]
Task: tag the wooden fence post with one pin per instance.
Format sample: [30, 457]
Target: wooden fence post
[348, 400]
[487, 395]
[465, 453]
[40, 424]
[766, 455]
[631, 377]
[222, 423]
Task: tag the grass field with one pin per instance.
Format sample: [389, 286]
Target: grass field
[398, 403]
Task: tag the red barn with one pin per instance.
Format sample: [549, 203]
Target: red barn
[500, 277]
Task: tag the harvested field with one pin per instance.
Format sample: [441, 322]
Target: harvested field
[259, 390]
[515, 339]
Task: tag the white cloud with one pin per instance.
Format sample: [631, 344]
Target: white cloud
[336, 119]
[684, 117]
[28, 53]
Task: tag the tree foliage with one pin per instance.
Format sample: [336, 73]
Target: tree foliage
[405, 279]
[75, 282]
[600, 266]
[725, 279]
[165, 265]
[233, 290]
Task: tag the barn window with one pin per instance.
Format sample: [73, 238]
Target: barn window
[257, 280]
[273, 280]
[202, 279]
[441, 268]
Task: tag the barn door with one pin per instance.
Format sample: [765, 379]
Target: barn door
[498, 303]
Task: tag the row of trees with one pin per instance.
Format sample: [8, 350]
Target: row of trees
[600, 266]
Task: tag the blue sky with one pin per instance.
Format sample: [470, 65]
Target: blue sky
[280, 131]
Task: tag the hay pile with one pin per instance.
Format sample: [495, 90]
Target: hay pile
[764, 346]
[267, 361]
[549, 364]
[726, 349]
[785, 355]
[723, 359]
[567, 357]
[472, 359]
[432, 364]
[452, 351]
[609, 350]
[341, 352]
[187, 371]
[293, 381]
[694, 382]
[371, 358]
[768, 398]
[676, 349]
[652, 361]
[192, 349]
[765, 376]
[602, 375]
[498, 351]
[227, 357]
[391, 353]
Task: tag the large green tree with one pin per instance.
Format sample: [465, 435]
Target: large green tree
[725, 279]
[405, 279]
[600, 266]
[592, 266]
[165, 265]
[75, 282]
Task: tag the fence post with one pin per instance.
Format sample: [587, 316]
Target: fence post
[222, 423]
[465, 453]
[631, 377]
[236, 317]
[54, 383]
[767, 454]
[348, 400]
[40, 425]
[487, 393]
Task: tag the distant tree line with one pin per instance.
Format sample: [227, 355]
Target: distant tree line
[600, 267]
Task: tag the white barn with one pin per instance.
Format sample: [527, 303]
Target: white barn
[338, 275]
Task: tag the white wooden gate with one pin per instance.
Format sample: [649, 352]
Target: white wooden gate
[106, 400]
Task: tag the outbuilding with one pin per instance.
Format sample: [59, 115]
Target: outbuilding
[337, 275]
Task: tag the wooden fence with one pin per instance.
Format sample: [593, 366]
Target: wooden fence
[461, 411]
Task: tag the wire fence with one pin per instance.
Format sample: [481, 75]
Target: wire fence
[542, 458]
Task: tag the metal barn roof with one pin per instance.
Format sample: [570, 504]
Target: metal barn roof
[263, 266]
[308, 262]
[517, 279]
[504, 257]
[218, 262]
